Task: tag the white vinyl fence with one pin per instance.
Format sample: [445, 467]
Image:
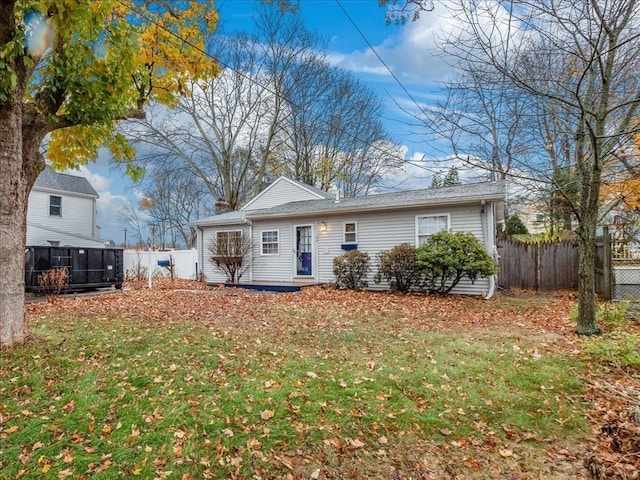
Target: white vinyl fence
[185, 263]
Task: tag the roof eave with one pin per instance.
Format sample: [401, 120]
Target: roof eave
[331, 210]
[66, 192]
[377, 208]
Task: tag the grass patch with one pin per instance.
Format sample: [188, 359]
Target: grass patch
[619, 345]
[366, 396]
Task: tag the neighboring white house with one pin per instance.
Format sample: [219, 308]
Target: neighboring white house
[62, 211]
[298, 230]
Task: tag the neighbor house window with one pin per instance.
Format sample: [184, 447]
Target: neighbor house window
[270, 242]
[427, 225]
[229, 244]
[55, 205]
[350, 232]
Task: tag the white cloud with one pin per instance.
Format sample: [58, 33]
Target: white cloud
[99, 182]
[412, 54]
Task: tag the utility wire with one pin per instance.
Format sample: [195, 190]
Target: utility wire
[375, 52]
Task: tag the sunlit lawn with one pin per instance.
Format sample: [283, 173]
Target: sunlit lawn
[303, 392]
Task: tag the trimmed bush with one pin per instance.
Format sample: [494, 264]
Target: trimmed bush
[446, 258]
[399, 268]
[350, 269]
[515, 226]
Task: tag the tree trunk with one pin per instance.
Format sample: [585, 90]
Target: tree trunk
[20, 164]
[13, 216]
[586, 278]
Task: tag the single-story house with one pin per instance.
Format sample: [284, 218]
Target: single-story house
[297, 230]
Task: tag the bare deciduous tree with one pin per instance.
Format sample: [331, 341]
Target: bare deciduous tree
[278, 108]
[175, 198]
[577, 60]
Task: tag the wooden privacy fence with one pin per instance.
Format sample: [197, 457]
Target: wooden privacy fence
[540, 266]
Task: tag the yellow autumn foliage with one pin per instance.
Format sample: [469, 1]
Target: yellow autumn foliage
[118, 55]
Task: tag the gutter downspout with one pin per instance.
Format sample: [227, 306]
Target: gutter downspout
[250, 223]
[200, 243]
[489, 221]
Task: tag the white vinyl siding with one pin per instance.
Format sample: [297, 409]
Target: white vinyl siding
[208, 267]
[427, 225]
[376, 231]
[350, 232]
[78, 219]
[280, 192]
[38, 235]
[384, 230]
[273, 268]
[269, 242]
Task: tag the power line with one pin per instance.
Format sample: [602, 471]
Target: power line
[375, 52]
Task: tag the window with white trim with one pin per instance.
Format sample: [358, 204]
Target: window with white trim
[350, 232]
[55, 205]
[229, 243]
[427, 225]
[270, 244]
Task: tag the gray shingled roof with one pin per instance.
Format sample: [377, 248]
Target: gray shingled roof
[475, 192]
[52, 180]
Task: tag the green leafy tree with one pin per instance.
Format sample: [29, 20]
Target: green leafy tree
[515, 226]
[446, 258]
[69, 71]
[399, 267]
[450, 179]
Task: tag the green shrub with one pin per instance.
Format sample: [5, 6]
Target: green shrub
[399, 267]
[446, 258]
[515, 226]
[350, 269]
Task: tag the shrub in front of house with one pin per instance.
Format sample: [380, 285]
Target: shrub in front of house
[230, 253]
[399, 267]
[350, 269]
[446, 258]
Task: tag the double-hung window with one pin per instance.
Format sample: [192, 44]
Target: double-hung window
[55, 206]
[427, 225]
[350, 232]
[270, 245]
[229, 244]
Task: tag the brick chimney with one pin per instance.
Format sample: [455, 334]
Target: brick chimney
[221, 206]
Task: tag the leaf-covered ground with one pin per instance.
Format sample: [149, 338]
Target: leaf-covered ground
[186, 382]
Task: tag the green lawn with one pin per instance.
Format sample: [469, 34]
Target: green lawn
[303, 390]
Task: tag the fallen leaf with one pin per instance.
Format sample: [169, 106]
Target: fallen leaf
[356, 443]
[505, 452]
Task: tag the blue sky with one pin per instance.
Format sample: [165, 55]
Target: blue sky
[407, 50]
